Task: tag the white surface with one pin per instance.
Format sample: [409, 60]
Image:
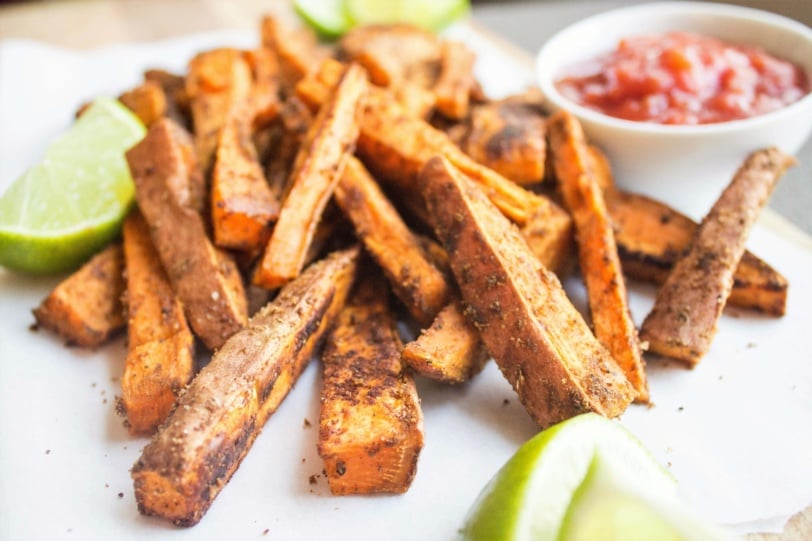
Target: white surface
[686, 165]
[735, 431]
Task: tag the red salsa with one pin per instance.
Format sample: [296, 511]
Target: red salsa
[681, 78]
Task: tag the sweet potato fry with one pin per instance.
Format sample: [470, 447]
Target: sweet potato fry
[651, 237]
[85, 308]
[296, 51]
[548, 232]
[683, 321]
[393, 54]
[414, 279]
[453, 86]
[174, 87]
[243, 207]
[509, 136]
[217, 80]
[223, 410]
[395, 145]
[264, 93]
[207, 282]
[147, 101]
[318, 168]
[597, 251]
[370, 424]
[539, 340]
[160, 356]
[450, 350]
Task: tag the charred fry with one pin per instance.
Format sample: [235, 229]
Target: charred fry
[85, 308]
[651, 237]
[598, 257]
[683, 321]
[371, 425]
[218, 418]
[539, 340]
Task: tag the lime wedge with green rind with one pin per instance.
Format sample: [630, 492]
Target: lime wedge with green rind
[71, 203]
[328, 17]
[429, 14]
[530, 498]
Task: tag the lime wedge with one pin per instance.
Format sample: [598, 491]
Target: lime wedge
[328, 17]
[573, 479]
[429, 14]
[71, 203]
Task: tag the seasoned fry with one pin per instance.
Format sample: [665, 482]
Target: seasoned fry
[218, 418]
[395, 145]
[414, 279]
[509, 136]
[318, 168]
[597, 252]
[243, 207]
[651, 237]
[548, 233]
[393, 54]
[295, 119]
[453, 86]
[207, 282]
[683, 321]
[370, 424]
[450, 350]
[217, 80]
[539, 340]
[264, 93]
[297, 51]
[160, 355]
[174, 87]
[147, 101]
[85, 308]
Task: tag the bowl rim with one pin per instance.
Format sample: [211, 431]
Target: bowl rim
[545, 76]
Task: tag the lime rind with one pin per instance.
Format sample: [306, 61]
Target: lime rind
[71, 203]
[329, 18]
[529, 496]
[428, 14]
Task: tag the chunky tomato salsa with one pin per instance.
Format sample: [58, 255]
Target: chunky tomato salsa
[682, 78]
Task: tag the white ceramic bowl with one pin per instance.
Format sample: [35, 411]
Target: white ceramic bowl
[686, 166]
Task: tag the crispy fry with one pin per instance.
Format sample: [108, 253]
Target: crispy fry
[264, 93]
[548, 233]
[370, 424]
[217, 80]
[395, 145]
[651, 237]
[85, 308]
[539, 340]
[450, 350]
[147, 101]
[453, 86]
[394, 54]
[218, 418]
[597, 251]
[206, 281]
[414, 279]
[294, 121]
[243, 207]
[174, 87]
[297, 51]
[683, 321]
[318, 168]
[509, 136]
[160, 355]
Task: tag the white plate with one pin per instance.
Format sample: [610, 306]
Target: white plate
[735, 430]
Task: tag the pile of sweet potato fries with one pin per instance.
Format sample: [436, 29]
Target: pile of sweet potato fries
[295, 201]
